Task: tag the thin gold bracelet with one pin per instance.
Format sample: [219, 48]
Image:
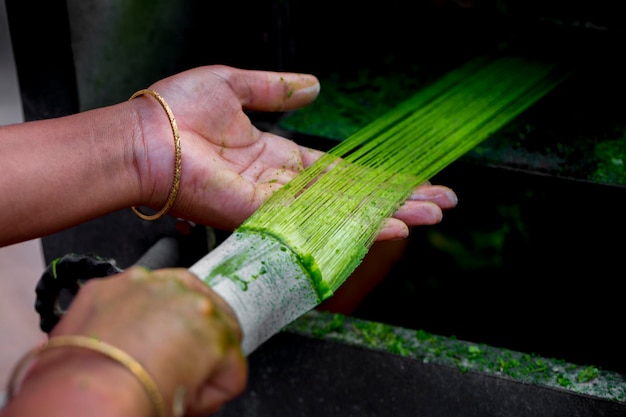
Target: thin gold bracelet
[98, 346]
[177, 161]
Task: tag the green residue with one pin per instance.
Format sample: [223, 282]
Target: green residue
[376, 333]
[54, 267]
[423, 335]
[462, 355]
[263, 271]
[587, 374]
[611, 157]
[563, 381]
[334, 325]
[307, 262]
[474, 352]
[230, 268]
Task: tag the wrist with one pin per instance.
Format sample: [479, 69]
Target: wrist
[158, 152]
[72, 381]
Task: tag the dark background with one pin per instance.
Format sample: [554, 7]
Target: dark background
[529, 260]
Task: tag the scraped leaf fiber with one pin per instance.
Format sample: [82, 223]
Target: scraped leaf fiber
[333, 211]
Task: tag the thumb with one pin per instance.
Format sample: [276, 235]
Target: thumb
[270, 91]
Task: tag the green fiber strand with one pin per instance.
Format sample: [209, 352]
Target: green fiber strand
[437, 118]
[446, 133]
[417, 101]
[332, 212]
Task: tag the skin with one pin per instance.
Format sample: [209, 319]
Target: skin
[174, 325]
[61, 172]
[58, 173]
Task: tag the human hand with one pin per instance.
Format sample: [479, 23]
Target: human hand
[169, 321]
[229, 166]
[423, 207]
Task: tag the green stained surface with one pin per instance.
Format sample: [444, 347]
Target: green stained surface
[230, 268]
[306, 261]
[262, 260]
[462, 355]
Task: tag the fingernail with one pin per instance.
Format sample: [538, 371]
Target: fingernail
[448, 195]
[452, 197]
[403, 236]
[419, 195]
[305, 92]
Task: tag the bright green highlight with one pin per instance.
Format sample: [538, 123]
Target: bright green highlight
[332, 212]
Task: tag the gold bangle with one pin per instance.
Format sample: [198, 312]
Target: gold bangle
[101, 347]
[177, 160]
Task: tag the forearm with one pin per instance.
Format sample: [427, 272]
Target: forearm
[74, 382]
[181, 351]
[60, 172]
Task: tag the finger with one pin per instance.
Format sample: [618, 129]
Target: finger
[309, 156]
[393, 229]
[444, 197]
[192, 282]
[419, 213]
[226, 383]
[412, 213]
[270, 91]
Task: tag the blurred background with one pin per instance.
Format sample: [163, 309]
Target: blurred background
[21, 265]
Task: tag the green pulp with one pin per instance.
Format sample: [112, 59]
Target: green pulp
[231, 267]
[462, 355]
[262, 256]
